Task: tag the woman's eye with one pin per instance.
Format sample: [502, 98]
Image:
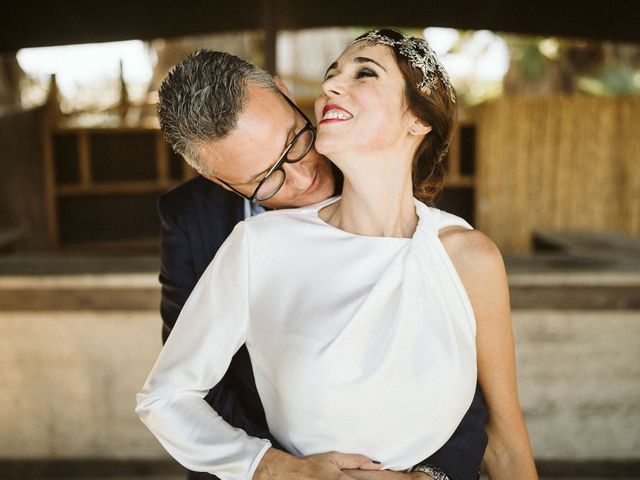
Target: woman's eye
[365, 72]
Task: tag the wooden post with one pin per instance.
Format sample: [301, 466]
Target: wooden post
[50, 115]
[162, 161]
[270, 28]
[85, 159]
[51, 199]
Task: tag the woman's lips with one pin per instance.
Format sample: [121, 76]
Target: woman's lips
[334, 113]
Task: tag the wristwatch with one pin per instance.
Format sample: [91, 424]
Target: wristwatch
[435, 472]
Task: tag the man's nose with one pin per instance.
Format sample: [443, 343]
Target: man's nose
[299, 173]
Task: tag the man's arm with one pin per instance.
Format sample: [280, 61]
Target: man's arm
[178, 276]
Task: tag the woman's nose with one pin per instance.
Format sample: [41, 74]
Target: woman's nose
[332, 87]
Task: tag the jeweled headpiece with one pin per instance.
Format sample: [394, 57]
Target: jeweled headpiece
[419, 54]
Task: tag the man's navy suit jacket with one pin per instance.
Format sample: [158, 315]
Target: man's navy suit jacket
[196, 218]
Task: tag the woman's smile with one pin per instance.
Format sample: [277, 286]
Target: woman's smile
[334, 113]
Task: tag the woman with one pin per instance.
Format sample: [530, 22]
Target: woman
[397, 291]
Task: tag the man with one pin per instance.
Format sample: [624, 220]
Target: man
[251, 144]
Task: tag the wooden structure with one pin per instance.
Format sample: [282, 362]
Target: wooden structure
[517, 165]
[557, 163]
[102, 185]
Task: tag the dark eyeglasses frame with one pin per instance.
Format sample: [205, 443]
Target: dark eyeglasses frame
[283, 157]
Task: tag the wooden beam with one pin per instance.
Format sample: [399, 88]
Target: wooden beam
[162, 159]
[51, 200]
[270, 29]
[84, 159]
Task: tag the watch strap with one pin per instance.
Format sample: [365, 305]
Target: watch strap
[435, 472]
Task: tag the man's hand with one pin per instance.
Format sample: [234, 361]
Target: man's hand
[278, 465]
[387, 475]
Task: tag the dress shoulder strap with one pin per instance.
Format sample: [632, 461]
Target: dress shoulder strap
[435, 219]
[447, 219]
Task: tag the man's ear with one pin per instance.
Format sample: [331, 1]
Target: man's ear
[282, 86]
[419, 128]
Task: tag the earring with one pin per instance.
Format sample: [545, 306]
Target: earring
[412, 131]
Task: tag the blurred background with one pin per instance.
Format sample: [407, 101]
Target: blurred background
[545, 160]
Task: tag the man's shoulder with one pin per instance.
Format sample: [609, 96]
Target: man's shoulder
[196, 191]
[187, 189]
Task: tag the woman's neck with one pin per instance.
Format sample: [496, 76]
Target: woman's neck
[380, 208]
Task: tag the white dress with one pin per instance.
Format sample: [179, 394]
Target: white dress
[359, 344]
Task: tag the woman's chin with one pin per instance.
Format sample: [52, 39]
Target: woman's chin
[330, 142]
[330, 148]
[323, 146]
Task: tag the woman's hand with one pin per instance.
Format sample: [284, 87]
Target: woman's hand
[279, 465]
[387, 475]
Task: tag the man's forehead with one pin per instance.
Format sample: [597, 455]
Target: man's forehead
[263, 108]
[258, 139]
[233, 158]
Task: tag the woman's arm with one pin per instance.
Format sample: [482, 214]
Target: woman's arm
[211, 327]
[481, 269]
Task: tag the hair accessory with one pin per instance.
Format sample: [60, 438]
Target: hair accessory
[419, 54]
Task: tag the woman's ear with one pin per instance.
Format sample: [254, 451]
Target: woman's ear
[419, 128]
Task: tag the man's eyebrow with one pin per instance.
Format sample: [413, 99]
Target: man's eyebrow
[355, 60]
[258, 175]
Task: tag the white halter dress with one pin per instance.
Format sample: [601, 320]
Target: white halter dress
[358, 344]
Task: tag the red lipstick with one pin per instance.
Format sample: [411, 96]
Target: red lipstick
[330, 107]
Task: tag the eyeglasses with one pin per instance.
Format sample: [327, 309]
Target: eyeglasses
[294, 152]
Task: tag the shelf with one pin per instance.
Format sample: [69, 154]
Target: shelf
[102, 185]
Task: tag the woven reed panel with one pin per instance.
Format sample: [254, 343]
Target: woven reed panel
[557, 163]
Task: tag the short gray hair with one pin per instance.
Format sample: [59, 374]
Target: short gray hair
[201, 98]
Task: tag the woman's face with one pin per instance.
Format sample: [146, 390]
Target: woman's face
[362, 107]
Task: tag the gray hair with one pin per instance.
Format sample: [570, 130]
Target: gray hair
[201, 98]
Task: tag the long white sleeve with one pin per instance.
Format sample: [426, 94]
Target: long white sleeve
[210, 329]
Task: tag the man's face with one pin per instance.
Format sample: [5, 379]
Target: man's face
[265, 127]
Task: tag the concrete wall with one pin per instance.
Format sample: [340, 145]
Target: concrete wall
[579, 382]
[68, 380]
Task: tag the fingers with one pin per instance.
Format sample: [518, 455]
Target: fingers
[360, 474]
[354, 461]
